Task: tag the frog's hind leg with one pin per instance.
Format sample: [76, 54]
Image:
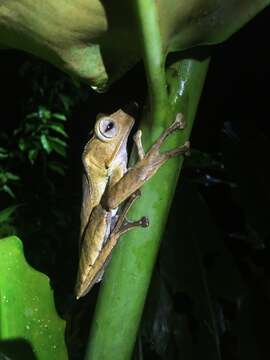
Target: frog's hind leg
[121, 227]
[181, 150]
[122, 224]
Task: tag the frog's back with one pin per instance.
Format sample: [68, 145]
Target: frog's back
[94, 181]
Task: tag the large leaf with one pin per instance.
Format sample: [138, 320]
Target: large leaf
[29, 325]
[197, 22]
[98, 41]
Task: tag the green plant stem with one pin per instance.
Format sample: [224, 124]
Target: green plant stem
[153, 57]
[124, 289]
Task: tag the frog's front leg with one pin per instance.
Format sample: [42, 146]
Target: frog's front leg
[138, 142]
[146, 167]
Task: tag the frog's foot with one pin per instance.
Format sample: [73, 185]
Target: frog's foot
[178, 124]
[157, 158]
[181, 150]
[128, 225]
[123, 225]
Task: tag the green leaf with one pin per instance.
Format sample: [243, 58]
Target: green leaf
[58, 146]
[66, 101]
[27, 307]
[22, 145]
[3, 156]
[32, 155]
[11, 176]
[44, 113]
[31, 128]
[59, 149]
[57, 167]
[32, 115]
[45, 143]
[8, 190]
[6, 214]
[58, 116]
[59, 129]
[57, 141]
[3, 153]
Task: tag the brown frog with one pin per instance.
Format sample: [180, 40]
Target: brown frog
[107, 184]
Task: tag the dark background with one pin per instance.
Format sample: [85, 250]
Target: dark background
[224, 194]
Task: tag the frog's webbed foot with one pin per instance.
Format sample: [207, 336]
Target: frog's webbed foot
[179, 123]
[181, 150]
[160, 158]
[122, 224]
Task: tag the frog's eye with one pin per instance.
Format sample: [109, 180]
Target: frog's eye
[106, 129]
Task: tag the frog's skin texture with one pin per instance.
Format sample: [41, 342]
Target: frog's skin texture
[107, 184]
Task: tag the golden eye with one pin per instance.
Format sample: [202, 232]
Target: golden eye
[106, 129]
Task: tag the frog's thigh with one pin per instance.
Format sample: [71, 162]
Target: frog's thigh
[95, 235]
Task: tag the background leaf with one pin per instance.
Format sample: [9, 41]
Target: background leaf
[6, 213]
[45, 143]
[27, 307]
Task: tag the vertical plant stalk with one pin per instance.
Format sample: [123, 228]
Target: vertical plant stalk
[126, 281]
[154, 58]
[124, 288]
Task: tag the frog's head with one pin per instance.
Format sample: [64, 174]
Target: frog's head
[114, 128]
